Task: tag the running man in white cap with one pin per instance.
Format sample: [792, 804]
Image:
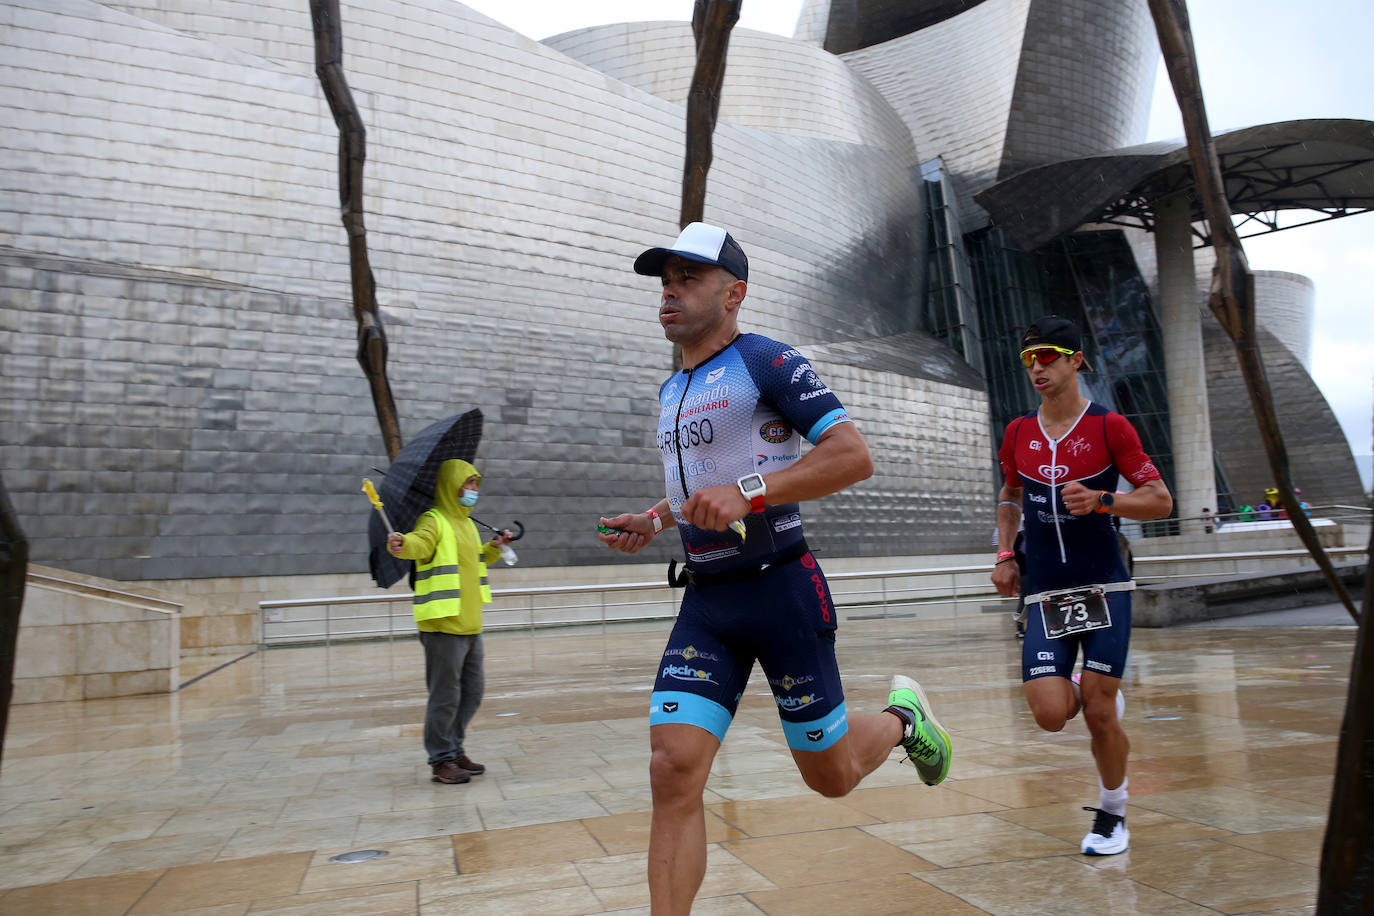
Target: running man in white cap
[730, 429]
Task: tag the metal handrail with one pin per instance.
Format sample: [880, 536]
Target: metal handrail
[130, 599]
[886, 596]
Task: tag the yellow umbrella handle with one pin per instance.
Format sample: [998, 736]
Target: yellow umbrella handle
[371, 492]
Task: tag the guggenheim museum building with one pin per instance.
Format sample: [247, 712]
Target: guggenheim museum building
[912, 181]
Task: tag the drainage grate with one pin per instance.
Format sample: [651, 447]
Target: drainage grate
[361, 855]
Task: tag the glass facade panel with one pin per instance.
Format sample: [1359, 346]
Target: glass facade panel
[951, 308]
[1092, 279]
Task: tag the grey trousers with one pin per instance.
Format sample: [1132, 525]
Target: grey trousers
[456, 679]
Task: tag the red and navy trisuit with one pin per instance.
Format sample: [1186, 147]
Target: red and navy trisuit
[1066, 551]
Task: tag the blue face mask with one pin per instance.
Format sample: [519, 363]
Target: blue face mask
[468, 499]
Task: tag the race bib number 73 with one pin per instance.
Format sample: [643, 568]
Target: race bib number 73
[1075, 612]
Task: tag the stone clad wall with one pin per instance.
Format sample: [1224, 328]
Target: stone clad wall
[81, 639]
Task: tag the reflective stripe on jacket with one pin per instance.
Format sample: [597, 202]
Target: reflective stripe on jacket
[438, 589]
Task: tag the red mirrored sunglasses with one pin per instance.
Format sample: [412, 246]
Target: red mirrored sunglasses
[1043, 355]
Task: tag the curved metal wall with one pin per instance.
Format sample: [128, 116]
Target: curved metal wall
[1020, 83]
[848, 25]
[1285, 306]
[1084, 84]
[1319, 459]
[180, 392]
[771, 83]
[952, 84]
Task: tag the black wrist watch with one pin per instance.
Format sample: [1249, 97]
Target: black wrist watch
[1104, 500]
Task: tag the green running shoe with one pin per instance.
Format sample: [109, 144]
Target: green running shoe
[926, 744]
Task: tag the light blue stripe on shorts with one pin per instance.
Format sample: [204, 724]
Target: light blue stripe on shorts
[675, 707]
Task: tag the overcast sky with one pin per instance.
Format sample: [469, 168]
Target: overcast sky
[1261, 61]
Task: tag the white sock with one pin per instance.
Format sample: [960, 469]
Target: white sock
[1113, 801]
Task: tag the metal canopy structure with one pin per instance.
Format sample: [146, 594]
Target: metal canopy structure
[1277, 176]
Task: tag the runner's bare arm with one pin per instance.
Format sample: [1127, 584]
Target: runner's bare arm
[632, 531]
[1008, 515]
[1006, 576]
[1148, 501]
[839, 459]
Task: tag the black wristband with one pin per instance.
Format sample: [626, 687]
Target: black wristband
[1005, 560]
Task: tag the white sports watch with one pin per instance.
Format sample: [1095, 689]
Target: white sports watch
[754, 489]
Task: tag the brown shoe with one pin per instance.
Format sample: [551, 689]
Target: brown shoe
[475, 769]
[450, 772]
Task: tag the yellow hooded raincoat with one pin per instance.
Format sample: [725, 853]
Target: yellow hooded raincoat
[450, 559]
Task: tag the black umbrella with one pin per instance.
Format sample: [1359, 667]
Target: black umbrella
[407, 490]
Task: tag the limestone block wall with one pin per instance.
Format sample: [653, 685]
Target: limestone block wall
[80, 638]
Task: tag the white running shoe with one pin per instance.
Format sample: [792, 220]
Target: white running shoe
[1108, 836]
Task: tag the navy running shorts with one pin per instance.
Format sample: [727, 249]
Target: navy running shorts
[785, 619]
[1104, 650]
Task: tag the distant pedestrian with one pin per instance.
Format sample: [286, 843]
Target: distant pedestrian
[1208, 525]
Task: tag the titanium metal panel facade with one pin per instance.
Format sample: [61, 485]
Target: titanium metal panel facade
[1320, 463]
[771, 83]
[1020, 83]
[179, 391]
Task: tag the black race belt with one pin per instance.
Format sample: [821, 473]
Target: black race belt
[688, 576]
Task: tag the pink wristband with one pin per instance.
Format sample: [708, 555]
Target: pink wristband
[1003, 554]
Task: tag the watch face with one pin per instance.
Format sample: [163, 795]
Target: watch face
[752, 482]
[1106, 498]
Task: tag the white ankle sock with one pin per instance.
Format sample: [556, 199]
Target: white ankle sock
[1113, 801]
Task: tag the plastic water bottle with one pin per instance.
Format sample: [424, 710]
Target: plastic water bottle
[507, 555]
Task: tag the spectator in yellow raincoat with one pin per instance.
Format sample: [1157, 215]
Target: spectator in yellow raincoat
[450, 590]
